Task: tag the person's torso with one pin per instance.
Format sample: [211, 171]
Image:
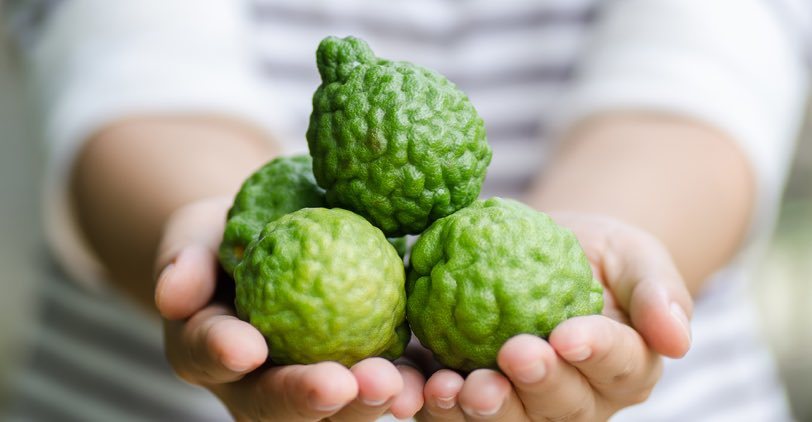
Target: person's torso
[514, 59]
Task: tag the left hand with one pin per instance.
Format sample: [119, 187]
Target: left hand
[591, 366]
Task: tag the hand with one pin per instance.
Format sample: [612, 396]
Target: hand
[208, 346]
[591, 366]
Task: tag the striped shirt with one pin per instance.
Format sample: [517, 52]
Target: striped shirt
[530, 68]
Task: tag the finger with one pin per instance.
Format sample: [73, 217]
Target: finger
[410, 399]
[297, 392]
[644, 279]
[547, 385]
[378, 384]
[214, 347]
[662, 322]
[186, 285]
[200, 223]
[641, 276]
[488, 396]
[187, 258]
[612, 356]
[441, 397]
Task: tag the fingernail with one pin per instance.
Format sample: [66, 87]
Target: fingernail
[165, 272]
[482, 412]
[577, 354]
[373, 403]
[238, 367]
[531, 374]
[160, 283]
[315, 404]
[445, 402]
[679, 314]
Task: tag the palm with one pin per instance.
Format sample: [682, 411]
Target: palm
[590, 366]
[209, 346]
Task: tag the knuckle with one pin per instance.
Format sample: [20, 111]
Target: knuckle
[656, 373]
[625, 371]
[257, 413]
[249, 415]
[178, 367]
[186, 376]
[621, 377]
[433, 411]
[578, 410]
[643, 391]
[285, 383]
[304, 413]
[639, 396]
[615, 373]
[575, 414]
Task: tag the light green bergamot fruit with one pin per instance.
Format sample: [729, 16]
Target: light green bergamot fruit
[284, 185]
[489, 272]
[324, 284]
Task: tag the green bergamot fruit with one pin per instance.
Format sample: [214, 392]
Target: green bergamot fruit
[392, 141]
[489, 272]
[322, 285]
[284, 185]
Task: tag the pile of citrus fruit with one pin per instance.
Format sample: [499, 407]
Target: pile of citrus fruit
[395, 149]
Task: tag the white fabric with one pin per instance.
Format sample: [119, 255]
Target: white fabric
[98, 61]
[738, 68]
[728, 63]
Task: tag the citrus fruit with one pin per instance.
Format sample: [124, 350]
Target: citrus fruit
[284, 185]
[397, 143]
[323, 284]
[489, 272]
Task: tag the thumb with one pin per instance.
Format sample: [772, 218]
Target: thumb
[187, 258]
[647, 285]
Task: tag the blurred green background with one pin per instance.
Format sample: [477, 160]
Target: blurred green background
[20, 240]
[783, 290]
[783, 287]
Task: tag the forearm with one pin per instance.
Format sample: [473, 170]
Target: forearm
[133, 174]
[685, 183]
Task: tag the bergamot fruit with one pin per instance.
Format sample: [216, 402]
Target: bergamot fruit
[489, 272]
[322, 285]
[392, 141]
[284, 185]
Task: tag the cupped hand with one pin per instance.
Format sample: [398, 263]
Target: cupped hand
[591, 366]
[207, 345]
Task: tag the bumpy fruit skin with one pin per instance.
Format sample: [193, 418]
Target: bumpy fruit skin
[322, 285]
[284, 185]
[396, 143]
[489, 272]
[240, 231]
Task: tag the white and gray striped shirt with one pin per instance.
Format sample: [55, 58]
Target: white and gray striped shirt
[530, 68]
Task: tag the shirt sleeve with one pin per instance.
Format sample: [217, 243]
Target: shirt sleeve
[95, 61]
[737, 65]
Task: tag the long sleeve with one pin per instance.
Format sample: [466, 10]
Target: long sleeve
[737, 65]
[92, 62]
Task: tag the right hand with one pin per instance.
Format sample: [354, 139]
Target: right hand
[207, 345]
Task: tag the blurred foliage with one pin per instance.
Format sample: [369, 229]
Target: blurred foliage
[783, 288]
[783, 291]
